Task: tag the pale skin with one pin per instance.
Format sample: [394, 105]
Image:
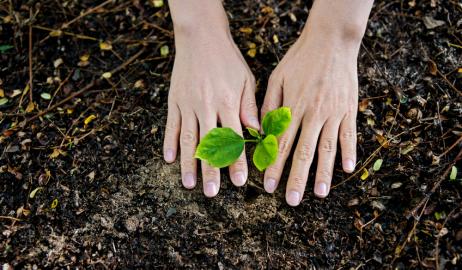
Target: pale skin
[317, 78]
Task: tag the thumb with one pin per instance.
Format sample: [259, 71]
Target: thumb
[249, 110]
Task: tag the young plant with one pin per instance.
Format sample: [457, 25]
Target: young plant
[221, 147]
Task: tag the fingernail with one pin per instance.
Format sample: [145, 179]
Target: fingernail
[270, 185]
[210, 189]
[293, 198]
[254, 122]
[349, 165]
[169, 155]
[239, 179]
[321, 189]
[189, 181]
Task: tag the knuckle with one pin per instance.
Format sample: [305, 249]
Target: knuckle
[273, 171]
[328, 145]
[188, 138]
[323, 174]
[348, 135]
[187, 164]
[239, 164]
[210, 173]
[305, 152]
[229, 103]
[298, 182]
[284, 147]
[250, 104]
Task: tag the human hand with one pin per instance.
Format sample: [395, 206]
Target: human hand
[317, 79]
[210, 83]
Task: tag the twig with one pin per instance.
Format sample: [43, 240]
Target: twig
[30, 59]
[60, 86]
[451, 147]
[438, 236]
[436, 186]
[10, 218]
[89, 11]
[445, 78]
[65, 33]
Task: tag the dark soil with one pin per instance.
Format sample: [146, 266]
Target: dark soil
[120, 206]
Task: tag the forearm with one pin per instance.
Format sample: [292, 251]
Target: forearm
[342, 19]
[193, 17]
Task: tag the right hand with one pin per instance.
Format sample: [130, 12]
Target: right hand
[210, 83]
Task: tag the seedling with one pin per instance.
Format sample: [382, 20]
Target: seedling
[221, 147]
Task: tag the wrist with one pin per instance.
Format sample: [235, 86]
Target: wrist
[339, 20]
[191, 19]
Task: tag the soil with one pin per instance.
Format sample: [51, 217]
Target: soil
[106, 199]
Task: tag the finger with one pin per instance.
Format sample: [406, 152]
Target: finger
[210, 175]
[172, 132]
[348, 142]
[238, 170]
[327, 149]
[249, 110]
[273, 173]
[188, 142]
[273, 96]
[301, 163]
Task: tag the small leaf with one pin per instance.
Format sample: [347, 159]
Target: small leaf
[32, 194]
[107, 75]
[253, 132]
[3, 101]
[45, 96]
[246, 30]
[276, 122]
[220, 147]
[54, 203]
[266, 152]
[56, 33]
[453, 174]
[158, 3]
[164, 50]
[30, 107]
[105, 46]
[4, 48]
[252, 53]
[365, 174]
[89, 119]
[377, 164]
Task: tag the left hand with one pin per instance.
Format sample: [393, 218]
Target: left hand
[317, 79]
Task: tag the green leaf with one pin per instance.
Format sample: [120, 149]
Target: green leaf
[4, 48]
[164, 51]
[377, 164]
[277, 121]
[45, 96]
[266, 152]
[32, 194]
[3, 101]
[453, 175]
[253, 132]
[220, 147]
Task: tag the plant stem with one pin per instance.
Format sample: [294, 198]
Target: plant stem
[255, 141]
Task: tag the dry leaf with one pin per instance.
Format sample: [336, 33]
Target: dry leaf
[431, 23]
[89, 119]
[105, 46]
[365, 174]
[245, 30]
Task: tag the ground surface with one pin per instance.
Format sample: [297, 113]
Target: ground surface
[107, 200]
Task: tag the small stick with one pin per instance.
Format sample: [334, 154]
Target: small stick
[30, 58]
[89, 11]
[10, 218]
